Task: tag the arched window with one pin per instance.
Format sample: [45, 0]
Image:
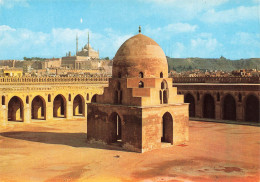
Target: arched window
[49, 98]
[141, 84]
[141, 75]
[27, 99]
[161, 75]
[69, 97]
[87, 96]
[164, 92]
[3, 100]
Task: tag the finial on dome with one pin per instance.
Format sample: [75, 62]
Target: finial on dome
[139, 28]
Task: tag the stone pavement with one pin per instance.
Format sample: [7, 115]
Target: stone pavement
[57, 151]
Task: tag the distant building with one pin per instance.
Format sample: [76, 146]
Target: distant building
[81, 58]
[13, 72]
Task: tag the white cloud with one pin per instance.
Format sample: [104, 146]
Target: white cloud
[12, 3]
[169, 30]
[6, 28]
[205, 46]
[17, 43]
[180, 28]
[201, 4]
[190, 7]
[246, 39]
[236, 14]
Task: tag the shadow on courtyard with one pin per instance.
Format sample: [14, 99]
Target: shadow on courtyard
[69, 139]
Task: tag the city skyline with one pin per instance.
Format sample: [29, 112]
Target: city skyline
[207, 29]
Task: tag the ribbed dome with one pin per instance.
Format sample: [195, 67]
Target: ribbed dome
[140, 54]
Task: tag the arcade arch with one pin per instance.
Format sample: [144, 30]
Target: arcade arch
[208, 106]
[15, 109]
[38, 108]
[191, 100]
[59, 106]
[252, 108]
[229, 107]
[78, 106]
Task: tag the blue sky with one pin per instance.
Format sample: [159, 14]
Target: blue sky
[183, 28]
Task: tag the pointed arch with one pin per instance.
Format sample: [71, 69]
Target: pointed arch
[38, 108]
[252, 108]
[208, 106]
[78, 105]
[167, 128]
[188, 98]
[59, 106]
[229, 107]
[15, 109]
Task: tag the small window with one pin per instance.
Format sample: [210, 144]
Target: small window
[141, 75]
[49, 98]
[69, 97]
[27, 99]
[161, 75]
[87, 96]
[198, 96]
[3, 100]
[141, 84]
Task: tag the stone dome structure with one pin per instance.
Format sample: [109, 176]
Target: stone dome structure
[140, 55]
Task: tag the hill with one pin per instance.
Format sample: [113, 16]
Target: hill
[185, 64]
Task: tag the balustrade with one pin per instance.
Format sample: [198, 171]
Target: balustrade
[216, 80]
[51, 80]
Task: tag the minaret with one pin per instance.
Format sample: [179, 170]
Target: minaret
[77, 44]
[139, 28]
[88, 44]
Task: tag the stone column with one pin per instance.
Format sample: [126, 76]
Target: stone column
[218, 111]
[239, 112]
[27, 113]
[3, 115]
[49, 111]
[198, 109]
[69, 110]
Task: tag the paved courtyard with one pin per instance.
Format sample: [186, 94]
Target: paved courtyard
[57, 151]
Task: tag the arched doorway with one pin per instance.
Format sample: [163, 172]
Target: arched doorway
[208, 107]
[116, 129]
[252, 109]
[190, 99]
[15, 109]
[59, 106]
[78, 106]
[229, 108]
[167, 128]
[38, 108]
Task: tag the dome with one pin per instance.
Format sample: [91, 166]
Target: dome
[140, 54]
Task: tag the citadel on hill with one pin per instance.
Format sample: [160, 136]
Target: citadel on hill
[84, 63]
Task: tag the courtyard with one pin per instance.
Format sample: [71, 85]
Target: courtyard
[57, 151]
